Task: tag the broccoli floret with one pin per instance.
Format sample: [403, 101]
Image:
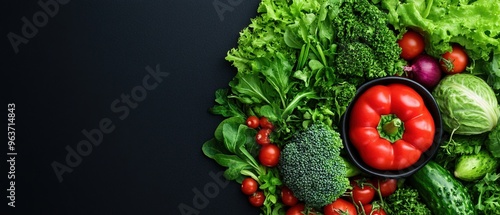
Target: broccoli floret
[367, 48]
[311, 166]
[358, 59]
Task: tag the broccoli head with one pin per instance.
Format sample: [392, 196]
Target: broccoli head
[311, 166]
[366, 46]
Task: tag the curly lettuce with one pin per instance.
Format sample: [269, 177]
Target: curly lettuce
[472, 24]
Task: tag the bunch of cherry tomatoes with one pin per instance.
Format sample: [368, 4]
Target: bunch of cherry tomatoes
[269, 154]
[360, 199]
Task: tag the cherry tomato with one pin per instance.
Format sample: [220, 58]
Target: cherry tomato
[257, 199]
[264, 123]
[262, 136]
[386, 186]
[298, 209]
[249, 186]
[362, 193]
[369, 210]
[455, 61]
[287, 197]
[253, 122]
[412, 44]
[340, 207]
[269, 155]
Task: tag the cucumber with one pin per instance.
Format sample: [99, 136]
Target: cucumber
[442, 193]
[475, 166]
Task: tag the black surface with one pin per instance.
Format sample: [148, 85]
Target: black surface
[79, 64]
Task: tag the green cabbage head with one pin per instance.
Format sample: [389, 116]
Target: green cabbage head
[467, 104]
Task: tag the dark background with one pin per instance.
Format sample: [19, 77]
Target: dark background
[82, 59]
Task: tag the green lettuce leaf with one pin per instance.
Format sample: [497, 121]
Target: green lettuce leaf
[472, 24]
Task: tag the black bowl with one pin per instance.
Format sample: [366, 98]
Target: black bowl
[424, 158]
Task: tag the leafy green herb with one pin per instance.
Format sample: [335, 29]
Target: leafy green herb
[405, 200]
[489, 70]
[493, 142]
[452, 148]
[226, 106]
[486, 194]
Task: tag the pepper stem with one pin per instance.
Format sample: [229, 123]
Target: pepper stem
[391, 127]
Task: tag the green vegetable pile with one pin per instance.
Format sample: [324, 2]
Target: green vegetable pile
[299, 64]
[288, 59]
[474, 161]
[468, 102]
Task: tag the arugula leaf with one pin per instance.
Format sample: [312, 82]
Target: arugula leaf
[225, 106]
[251, 89]
[296, 101]
[278, 75]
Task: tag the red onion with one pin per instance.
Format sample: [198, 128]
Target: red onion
[425, 70]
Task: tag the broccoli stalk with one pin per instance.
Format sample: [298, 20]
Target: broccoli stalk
[311, 166]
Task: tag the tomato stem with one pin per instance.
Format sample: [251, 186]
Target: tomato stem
[448, 64]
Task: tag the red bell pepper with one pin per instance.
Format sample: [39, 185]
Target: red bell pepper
[390, 126]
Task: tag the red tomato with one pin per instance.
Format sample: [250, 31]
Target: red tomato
[269, 155]
[249, 186]
[287, 197]
[412, 44]
[257, 199]
[362, 193]
[264, 123]
[370, 211]
[386, 186]
[455, 61]
[252, 122]
[262, 136]
[340, 207]
[296, 210]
